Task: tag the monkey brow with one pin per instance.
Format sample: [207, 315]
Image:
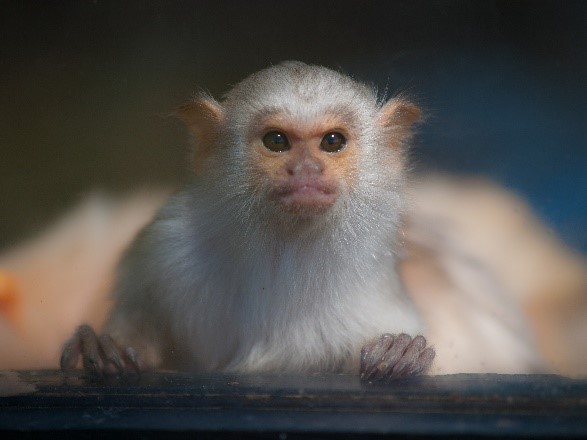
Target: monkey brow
[337, 113]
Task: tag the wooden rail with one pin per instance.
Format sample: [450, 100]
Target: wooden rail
[38, 403]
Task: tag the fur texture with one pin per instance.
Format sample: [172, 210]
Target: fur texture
[225, 280]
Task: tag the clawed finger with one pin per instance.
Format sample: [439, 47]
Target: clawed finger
[71, 353]
[91, 355]
[132, 360]
[425, 360]
[373, 354]
[111, 352]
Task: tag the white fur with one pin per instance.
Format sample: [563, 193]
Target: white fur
[224, 281]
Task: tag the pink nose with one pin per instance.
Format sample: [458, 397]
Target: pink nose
[304, 164]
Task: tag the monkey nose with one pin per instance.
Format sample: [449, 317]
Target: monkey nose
[305, 165]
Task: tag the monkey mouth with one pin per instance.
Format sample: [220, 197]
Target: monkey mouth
[305, 197]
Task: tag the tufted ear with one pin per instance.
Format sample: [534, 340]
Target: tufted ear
[398, 116]
[203, 116]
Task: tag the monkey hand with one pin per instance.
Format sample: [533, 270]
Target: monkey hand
[100, 354]
[393, 356]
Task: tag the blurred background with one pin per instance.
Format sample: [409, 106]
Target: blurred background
[87, 87]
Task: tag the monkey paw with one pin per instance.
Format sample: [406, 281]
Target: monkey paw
[393, 356]
[99, 354]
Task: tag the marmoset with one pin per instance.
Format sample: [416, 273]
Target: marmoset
[280, 255]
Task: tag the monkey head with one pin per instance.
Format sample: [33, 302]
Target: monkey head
[303, 138]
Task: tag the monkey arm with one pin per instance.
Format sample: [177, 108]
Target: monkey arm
[132, 337]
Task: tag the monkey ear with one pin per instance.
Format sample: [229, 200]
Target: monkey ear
[203, 116]
[398, 116]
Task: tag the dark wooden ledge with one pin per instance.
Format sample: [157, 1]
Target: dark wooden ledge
[180, 405]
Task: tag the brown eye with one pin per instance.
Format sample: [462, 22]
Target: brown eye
[333, 142]
[276, 141]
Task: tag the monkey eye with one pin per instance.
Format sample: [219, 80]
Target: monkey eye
[333, 142]
[276, 141]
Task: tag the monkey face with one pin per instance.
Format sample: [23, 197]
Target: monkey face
[302, 166]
